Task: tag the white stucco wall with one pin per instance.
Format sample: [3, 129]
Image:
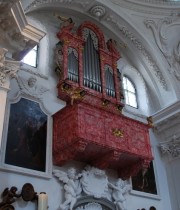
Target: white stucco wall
[150, 99]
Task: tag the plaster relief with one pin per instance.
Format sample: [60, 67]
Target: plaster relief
[90, 206]
[99, 179]
[39, 3]
[8, 69]
[31, 87]
[128, 34]
[164, 32]
[94, 182]
[171, 147]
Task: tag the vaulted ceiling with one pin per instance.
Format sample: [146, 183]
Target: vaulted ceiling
[148, 28]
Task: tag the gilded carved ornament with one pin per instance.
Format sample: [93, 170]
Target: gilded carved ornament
[150, 121]
[74, 93]
[117, 132]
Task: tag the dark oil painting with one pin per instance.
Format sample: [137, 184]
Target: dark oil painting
[144, 181]
[26, 137]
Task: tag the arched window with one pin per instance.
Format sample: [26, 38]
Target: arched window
[129, 92]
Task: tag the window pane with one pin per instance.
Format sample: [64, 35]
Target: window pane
[125, 83]
[31, 57]
[126, 97]
[129, 92]
[132, 99]
[130, 86]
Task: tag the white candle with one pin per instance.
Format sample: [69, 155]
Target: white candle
[42, 201]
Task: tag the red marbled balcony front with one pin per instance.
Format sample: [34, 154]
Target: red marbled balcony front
[100, 138]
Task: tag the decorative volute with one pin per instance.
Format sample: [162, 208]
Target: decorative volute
[8, 68]
[91, 127]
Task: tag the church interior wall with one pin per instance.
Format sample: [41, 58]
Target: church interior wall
[153, 97]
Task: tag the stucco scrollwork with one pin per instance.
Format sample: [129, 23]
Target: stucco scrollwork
[90, 206]
[36, 3]
[30, 87]
[171, 148]
[8, 69]
[125, 31]
[162, 38]
[99, 179]
[94, 182]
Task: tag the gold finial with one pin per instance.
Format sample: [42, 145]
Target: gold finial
[150, 121]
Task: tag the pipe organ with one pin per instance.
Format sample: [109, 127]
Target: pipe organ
[91, 127]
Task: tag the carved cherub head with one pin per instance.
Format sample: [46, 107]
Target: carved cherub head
[120, 183]
[71, 173]
[32, 81]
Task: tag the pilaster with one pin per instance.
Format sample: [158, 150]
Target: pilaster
[8, 70]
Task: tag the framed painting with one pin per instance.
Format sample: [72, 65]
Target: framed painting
[27, 135]
[145, 181]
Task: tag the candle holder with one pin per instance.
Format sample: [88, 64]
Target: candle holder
[9, 196]
[42, 201]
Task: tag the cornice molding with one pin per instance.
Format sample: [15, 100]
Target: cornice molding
[168, 118]
[166, 113]
[26, 29]
[16, 33]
